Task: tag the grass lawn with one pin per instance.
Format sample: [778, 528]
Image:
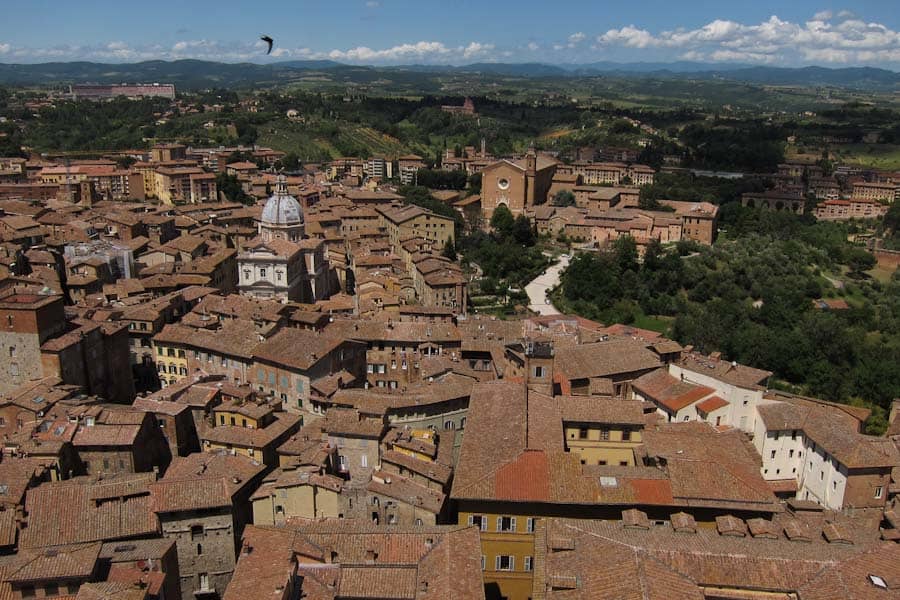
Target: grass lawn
[878, 156]
[654, 323]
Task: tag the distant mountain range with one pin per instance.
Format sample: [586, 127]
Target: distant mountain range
[196, 74]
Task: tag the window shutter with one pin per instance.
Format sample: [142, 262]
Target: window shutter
[483, 523]
[512, 524]
[497, 563]
[471, 520]
[512, 563]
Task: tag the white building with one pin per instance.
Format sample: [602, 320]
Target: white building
[813, 451]
[279, 263]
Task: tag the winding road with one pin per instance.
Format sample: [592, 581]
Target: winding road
[537, 289]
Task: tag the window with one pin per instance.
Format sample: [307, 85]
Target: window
[196, 531]
[794, 434]
[364, 461]
[221, 419]
[879, 490]
[12, 351]
[604, 434]
[507, 524]
[528, 564]
[505, 563]
[773, 454]
[790, 454]
[204, 581]
[199, 549]
[479, 521]
[260, 375]
[529, 524]
[686, 418]
[262, 272]
[27, 590]
[582, 433]
[449, 425]
[626, 435]
[483, 562]
[539, 372]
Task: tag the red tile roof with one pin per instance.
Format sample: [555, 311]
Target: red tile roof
[525, 479]
[710, 404]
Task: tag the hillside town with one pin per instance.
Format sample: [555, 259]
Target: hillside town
[293, 397]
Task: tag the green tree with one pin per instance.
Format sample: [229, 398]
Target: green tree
[860, 260]
[449, 250]
[564, 198]
[232, 189]
[502, 221]
[522, 231]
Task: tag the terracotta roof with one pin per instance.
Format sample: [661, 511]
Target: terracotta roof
[662, 388]
[723, 370]
[603, 359]
[427, 563]
[203, 481]
[407, 491]
[832, 431]
[65, 562]
[245, 437]
[51, 505]
[297, 348]
[701, 559]
[710, 404]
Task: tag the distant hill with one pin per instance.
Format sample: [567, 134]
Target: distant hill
[197, 74]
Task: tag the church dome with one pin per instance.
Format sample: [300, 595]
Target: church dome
[282, 208]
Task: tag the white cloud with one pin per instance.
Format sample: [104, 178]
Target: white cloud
[827, 38]
[533, 46]
[432, 51]
[576, 38]
[373, 4]
[629, 36]
[5, 48]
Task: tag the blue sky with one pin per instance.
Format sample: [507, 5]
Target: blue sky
[861, 32]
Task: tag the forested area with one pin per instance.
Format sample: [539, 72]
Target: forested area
[751, 297]
[508, 256]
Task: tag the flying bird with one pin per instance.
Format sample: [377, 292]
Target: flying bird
[269, 41]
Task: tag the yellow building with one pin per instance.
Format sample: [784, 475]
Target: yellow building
[602, 431]
[412, 221]
[415, 443]
[240, 430]
[171, 361]
[528, 456]
[292, 492]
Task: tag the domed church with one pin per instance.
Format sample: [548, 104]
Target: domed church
[280, 262]
[282, 217]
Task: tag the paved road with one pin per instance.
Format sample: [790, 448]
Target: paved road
[537, 289]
